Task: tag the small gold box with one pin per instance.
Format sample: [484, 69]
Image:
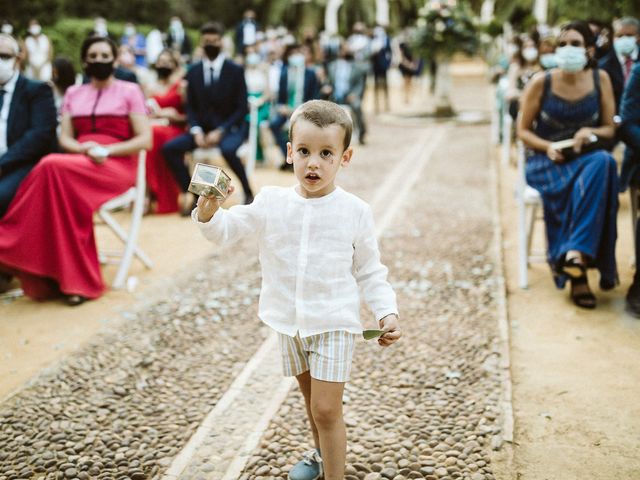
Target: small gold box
[209, 180]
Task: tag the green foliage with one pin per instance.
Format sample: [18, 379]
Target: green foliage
[67, 35]
[519, 11]
[446, 29]
[19, 12]
[493, 28]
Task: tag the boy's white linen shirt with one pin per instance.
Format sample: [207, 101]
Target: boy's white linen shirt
[314, 254]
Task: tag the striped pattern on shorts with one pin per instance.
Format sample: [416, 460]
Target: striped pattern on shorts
[327, 356]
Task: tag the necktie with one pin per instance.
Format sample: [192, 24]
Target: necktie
[209, 76]
[628, 64]
[2, 92]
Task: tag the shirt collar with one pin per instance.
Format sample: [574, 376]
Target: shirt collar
[216, 63]
[10, 86]
[634, 57]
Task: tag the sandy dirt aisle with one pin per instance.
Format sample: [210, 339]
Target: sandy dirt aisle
[576, 373]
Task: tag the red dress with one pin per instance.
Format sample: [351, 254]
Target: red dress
[46, 236]
[160, 181]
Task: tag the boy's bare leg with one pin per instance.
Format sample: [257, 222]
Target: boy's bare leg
[304, 381]
[326, 409]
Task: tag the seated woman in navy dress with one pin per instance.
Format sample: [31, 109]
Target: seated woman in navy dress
[578, 187]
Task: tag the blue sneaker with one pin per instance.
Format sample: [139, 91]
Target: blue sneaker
[309, 468]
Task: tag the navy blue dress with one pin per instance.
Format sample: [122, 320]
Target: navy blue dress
[580, 196]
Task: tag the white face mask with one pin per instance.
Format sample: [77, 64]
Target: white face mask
[7, 28]
[7, 69]
[571, 59]
[129, 31]
[297, 60]
[530, 54]
[35, 30]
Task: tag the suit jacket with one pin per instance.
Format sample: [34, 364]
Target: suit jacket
[186, 48]
[357, 79]
[610, 64]
[222, 104]
[311, 86]
[630, 130]
[240, 33]
[31, 125]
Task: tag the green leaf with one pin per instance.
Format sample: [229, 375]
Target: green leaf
[371, 334]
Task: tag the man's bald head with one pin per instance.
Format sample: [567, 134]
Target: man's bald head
[7, 41]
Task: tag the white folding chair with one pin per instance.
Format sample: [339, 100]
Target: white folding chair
[529, 208]
[136, 196]
[507, 128]
[253, 136]
[497, 113]
[633, 193]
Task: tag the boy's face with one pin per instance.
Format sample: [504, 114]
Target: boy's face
[316, 154]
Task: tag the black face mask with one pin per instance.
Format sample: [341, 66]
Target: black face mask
[99, 70]
[163, 72]
[212, 51]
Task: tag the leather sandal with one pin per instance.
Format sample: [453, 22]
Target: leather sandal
[583, 299]
[574, 268]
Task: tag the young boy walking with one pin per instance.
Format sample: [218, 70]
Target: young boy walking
[317, 249]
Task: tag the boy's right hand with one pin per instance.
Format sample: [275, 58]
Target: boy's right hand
[208, 206]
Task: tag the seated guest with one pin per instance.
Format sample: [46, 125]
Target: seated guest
[63, 76]
[298, 84]
[524, 65]
[168, 120]
[347, 81]
[27, 122]
[619, 60]
[630, 132]
[216, 110]
[178, 40]
[547, 51]
[46, 236]
[579, 186]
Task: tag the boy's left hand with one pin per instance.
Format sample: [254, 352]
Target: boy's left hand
[390, 324]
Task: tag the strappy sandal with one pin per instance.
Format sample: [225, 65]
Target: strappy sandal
[583, 299]
[573, 268]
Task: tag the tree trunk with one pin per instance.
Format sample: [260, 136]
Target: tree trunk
[331, 17]
[444, 108]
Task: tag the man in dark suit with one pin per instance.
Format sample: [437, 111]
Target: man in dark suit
[246, 31]
[630, 133]
[297, 84]
[620, 59]
[27, 122]
[178, 40]
[347, 81]
[216, 110]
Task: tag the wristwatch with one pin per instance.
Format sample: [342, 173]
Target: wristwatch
[196, 130]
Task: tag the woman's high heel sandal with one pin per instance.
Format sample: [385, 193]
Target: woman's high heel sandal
[583, 298]
[574, 268]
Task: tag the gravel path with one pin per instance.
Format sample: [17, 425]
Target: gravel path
[125, 405]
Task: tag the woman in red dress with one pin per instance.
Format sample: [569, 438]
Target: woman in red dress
[46, 236]
[166, 106]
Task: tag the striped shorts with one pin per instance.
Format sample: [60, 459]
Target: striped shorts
[327, 355]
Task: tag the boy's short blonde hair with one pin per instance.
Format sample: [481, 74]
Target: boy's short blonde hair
[322, 114]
